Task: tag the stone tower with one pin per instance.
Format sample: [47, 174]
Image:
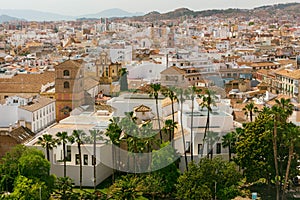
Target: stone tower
[69, 87]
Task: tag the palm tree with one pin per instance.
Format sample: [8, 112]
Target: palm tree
[228, 140]
[169, 127]
[193, 91]
[153, 92]
[208, 100]
[291, 139]
[77, 136]
[211, 138]
[113, 131]
[281, 111]
[47, 142]
[95, 135]
[179, 92]
[170, 93]
[123, 79]
[250, 109]
[287, 108]
[63, 138]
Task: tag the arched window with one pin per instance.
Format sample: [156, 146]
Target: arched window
[66, 73]
[66, 84]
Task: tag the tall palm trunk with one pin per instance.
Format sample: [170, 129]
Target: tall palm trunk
[275, 159]
[158, 119]
[192, 117]
[208, 146]
[65, 164]
[251, 116]
[182, 132]
[48, 152]
[173, 125]
[229, 149]
[113, 162]
[211, 150]
[94, 161]
[291, 151]
[205, 133]
[80, 165]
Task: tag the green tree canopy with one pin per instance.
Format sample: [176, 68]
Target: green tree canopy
[209, 178]
[24, 168]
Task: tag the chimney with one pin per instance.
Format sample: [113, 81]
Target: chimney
[10, 128]
[22, 123]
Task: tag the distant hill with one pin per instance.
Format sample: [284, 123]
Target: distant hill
[33, 15]
[114, 12]
[6, 18]
[266, 11]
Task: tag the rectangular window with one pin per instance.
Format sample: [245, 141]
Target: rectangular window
[218, 148]
[85, 159]
[77, 159]
[199, 149]
[188, 147]
[68, 156]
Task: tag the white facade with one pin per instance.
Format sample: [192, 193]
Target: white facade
[146, 71]
[121, 55]
[8, 116]
[34, 113]
[40, 118]
[224, 45]
[221, 122]
[84, 121]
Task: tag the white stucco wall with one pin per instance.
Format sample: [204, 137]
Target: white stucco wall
[8, 115]
[146, 70]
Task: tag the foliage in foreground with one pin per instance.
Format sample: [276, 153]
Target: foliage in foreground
[209, 178]
[158, 184]
[24, 172]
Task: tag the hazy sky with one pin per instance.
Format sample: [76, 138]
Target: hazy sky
[79, 7]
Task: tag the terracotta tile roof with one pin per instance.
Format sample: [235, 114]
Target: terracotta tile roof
[90, 83]
[262, 64]
[33, 44]
[258, 64]
[288, 73]
[70, 63]
[142, 108]
[172, 70]
[166, 101]
[26, 96]
[280, 96]
[239, 116]
[286, 62]
[26, 83]
[240, 106]
[262, 71]
[38, 104]
[21, 134]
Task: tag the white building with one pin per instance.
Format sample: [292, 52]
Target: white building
[85, 121]
[148, 71]
[221, 122]
[35, 113]
[121, 55]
